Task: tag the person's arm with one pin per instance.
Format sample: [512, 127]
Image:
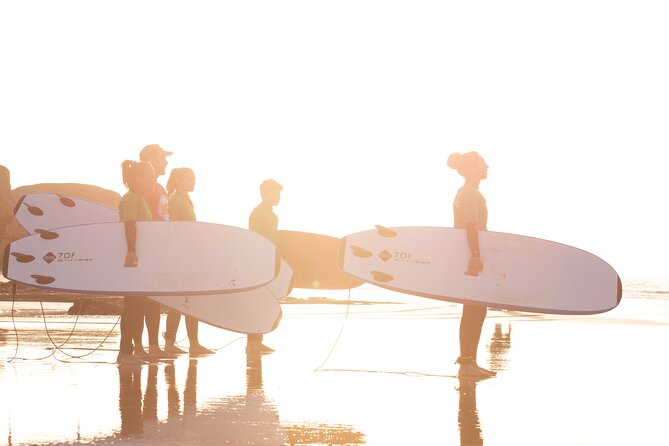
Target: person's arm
[130, 239]
[475, 263]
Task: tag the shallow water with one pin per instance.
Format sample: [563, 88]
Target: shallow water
[379, 374]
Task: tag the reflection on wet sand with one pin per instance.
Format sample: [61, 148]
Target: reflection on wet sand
[251, 418]
[500, 343]
[469, 424]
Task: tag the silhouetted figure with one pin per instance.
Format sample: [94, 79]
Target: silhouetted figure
[158, 203]
[6, 208]
[264, 221]
[471, 213]
[180, 183]
[138, 177]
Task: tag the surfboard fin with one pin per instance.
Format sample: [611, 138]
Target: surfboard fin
[46, 235]
[43, 280]
[360, 252]
[381, 277]
[22, 258]
[385, 232]
[34, 210]
[66, 201]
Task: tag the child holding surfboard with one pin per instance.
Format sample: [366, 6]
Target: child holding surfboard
[139, 178]
[471, 213]
[179, 184]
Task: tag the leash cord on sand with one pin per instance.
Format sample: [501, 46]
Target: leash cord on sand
[58, 348]
[16, 332]
[341, 330]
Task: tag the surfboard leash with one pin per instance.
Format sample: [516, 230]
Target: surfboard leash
[341, 330]
[16, 332]
[59, 348]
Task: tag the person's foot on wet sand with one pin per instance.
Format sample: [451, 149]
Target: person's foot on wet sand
[142, 354]
[258, 347]
[469, 368]
[173, 349]
[198, 350]
[157, 353]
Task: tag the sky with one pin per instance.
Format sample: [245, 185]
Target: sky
[354, 106]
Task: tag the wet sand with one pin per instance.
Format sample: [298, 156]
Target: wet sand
[380, 374]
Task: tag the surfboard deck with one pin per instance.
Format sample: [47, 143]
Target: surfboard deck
[314, 259]
[175, 258]
[255, 311]
[520, 273]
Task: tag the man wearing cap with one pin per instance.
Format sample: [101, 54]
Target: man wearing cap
[157, 201]
[264, 221]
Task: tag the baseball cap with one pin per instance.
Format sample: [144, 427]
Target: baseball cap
[151, 151]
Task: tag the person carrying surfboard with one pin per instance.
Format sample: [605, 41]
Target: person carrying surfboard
[264, 221]
[179, 184]
[470, 212]
[138, 177]
[158, 203]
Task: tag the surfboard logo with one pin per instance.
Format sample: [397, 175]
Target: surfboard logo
[385, 255]
[50, 257]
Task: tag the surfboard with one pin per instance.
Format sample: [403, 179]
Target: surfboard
[314, 259]
[520, 273]
[175, 258]
[48, 211]
[255, 311]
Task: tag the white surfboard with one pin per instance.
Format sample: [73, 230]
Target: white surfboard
[48, 211]
[255, 311]
[175, 258]
[520, 273]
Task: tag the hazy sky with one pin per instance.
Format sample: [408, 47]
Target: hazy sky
[355, 106]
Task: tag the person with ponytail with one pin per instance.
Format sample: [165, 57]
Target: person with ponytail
[471, 213]
[179, 184]
[138, 178]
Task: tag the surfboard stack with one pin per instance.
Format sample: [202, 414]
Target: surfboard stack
[226, 276]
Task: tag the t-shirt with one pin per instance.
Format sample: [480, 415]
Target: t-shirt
[470, 206]
[181, 207]
[158, 202]
[264, 221]
[133, 208]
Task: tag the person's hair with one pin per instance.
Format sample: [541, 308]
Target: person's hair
[177, 174]
[463, 161]
[268, 186]
[5, 183]
[130, 169]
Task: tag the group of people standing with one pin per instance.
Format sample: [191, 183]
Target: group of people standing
[147, 200]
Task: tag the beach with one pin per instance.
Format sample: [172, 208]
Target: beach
[372, 367]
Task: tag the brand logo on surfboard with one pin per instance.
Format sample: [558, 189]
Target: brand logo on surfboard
[385, 255]
[400, 256]
[49, 257]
